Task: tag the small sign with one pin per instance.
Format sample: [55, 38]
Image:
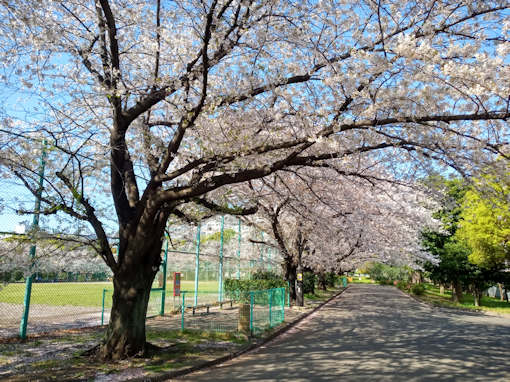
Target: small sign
[300, 277]
[177, 283]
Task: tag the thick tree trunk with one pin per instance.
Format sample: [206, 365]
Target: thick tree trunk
[322, 281]
[441, 288]
[477, 294]
[132, 283]
[300, 301]
[456, 292]
[289, 271]
[417, 277]
[501, 292]
[125, 336]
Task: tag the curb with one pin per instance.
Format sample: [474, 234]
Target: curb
[255, 345]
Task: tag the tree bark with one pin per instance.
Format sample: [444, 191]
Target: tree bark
[501, 292]
[299, 287]
[456, 292]
[289, 274]
[300, 245]
[441, 288]
[322, 281]
[291, 278]
[417, 277]
[477, 294]
[132, 283]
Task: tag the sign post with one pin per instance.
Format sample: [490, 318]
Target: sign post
[177, 284]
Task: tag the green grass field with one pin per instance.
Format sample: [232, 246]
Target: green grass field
[80, 294]
[364, 280]
[433, 296]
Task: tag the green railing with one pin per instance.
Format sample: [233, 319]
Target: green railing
[256, 311]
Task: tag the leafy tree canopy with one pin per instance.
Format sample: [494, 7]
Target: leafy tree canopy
[485, 224]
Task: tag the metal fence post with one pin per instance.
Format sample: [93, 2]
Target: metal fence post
[251, 313]
[282, 291]
[288, 294]
[220, 270]
[35, 226]
[163, 292]
[270, 307]
[197, 265]
[239, 251]
[102, 308]
[182, 310]
[262, 251]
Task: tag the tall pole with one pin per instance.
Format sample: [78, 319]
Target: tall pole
[163, 292]
[220, 281]
[197, 265]
[35, 226]
[239, 250]
[262, 251]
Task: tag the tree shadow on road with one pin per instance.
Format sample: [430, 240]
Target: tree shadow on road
[375, 333]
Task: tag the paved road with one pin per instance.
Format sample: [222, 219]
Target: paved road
[376, 333]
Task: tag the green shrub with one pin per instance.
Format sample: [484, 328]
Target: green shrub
[331, 279]
[239, 289]
[265, 275]
[403, 285]
[418, 289]
[382, 272]
[17, 276]
[308, 282]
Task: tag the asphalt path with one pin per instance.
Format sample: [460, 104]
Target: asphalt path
[377, 333]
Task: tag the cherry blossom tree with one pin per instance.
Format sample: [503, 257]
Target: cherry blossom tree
[52, 256]
[157, 104]
[328, 222]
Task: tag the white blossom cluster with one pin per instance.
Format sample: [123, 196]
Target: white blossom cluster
[142, 107]
[50, 256]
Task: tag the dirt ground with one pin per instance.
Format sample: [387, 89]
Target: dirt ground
[47, 318]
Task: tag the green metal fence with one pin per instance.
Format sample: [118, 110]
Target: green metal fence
[69, 290]
[253, 313]
[267, 309]
[156, 305]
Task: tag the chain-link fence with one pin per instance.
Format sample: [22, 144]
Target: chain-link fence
[253, 313]
[217, 248]
[64, 289]
[72, 286]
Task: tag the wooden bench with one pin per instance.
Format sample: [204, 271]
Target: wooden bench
[207, 306]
